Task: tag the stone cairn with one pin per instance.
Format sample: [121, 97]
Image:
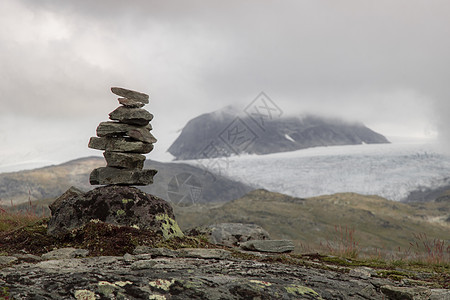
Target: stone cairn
[125, 138]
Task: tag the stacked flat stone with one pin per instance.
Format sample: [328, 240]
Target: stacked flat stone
[125, 138]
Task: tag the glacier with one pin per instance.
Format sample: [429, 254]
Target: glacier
[391, 171]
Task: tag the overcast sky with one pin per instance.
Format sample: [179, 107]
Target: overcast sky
[384, 63]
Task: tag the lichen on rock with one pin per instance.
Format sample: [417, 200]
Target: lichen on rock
[84, 295]
[161, 284]
[302, 291]
[169, 226]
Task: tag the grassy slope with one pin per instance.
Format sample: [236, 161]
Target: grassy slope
[379, 223]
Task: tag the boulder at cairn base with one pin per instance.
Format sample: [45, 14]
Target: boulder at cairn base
[73, 192]
[117, 205]
[109, 175]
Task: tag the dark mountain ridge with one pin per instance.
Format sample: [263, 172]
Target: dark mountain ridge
[226, 132]
[426, 194]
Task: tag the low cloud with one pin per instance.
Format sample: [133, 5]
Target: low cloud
[383, 63]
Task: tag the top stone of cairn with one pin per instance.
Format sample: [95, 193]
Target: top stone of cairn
[129, 94]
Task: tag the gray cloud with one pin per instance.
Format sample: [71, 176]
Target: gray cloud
[384, 63]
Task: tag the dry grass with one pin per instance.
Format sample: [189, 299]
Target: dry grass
[422, 250]
[343, 244]
[11, 219]
[431, 251]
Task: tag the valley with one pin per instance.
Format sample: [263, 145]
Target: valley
[313, 196]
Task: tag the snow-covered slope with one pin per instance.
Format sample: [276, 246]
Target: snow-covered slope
[387, 170]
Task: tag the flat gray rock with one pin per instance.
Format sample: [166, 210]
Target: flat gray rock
[204, 253]
[65, 253]
[130, 103]
[108, 175]
[7, 260]
[362, 272]
[134, 116]
[232, 234]
[400, 293]
[124, 160]
[130, 94]
[142, 134]
[155, 252]
[119, 145]
[28, 257]
[272, 246]
[116, 129]
[113, 129]
[143, 264]
[61, 266]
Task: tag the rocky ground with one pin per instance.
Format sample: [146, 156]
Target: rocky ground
[119, 243]
[194, 273]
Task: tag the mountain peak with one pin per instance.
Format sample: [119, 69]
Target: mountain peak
[229, 131]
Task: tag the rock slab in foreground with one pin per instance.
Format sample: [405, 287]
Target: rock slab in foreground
[142, 276]
[118, 205]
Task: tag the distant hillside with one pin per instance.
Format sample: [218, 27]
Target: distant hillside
[175, 182]
[46, 182]
[226, 132]
[379, 223]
